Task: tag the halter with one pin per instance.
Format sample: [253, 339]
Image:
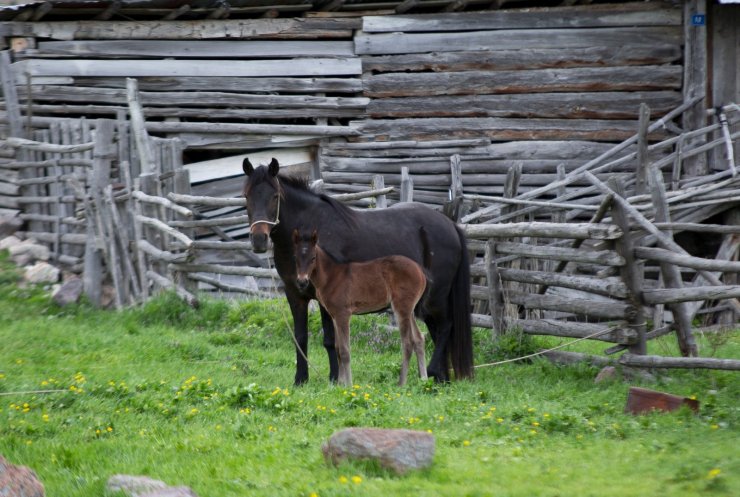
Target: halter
[277, 214]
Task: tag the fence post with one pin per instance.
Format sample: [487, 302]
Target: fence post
[381, 201]
[495, 292]
[642, 150]
[631, 272]
[407, 186]
[671, 274]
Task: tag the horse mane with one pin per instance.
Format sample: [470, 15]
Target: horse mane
[301, 183]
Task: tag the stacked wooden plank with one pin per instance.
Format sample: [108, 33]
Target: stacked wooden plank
[273, 78]
[553, 85]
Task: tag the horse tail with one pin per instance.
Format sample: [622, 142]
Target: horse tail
[460, 347]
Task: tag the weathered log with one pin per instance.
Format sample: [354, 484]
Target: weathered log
[524, 58]
[658, 254]
[161, 255]
[652, 361]
[220, 221]
[583, 79]
[71, 238]
[46, 147]
[203, 68]
[601, 257]
[585, 307]
[161, 226]
[395, 43]
[568, 329]
[610, 287]
[223, 269]
[233, 84]
[133, 49]
[546, 230]
[229, 288]
[151, 199]
[690, 294]
[608, 15]
[241, 29]
[601, 105]
[208, 201]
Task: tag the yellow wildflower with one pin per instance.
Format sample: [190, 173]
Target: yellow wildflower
[356, 480]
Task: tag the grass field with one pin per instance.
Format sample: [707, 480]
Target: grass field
[204, 398]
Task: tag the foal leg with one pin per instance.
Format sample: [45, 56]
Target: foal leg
[405, 320]
[341, 334]
[418, 341]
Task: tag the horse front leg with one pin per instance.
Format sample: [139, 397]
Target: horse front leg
[299, 309]
[327, 323]
[341, 326]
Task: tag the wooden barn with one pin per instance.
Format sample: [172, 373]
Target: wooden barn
[543, 83]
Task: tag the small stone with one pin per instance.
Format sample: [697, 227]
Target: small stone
[41, 272]
[68, 292]
[143, 486]
[608, 373]
[18, 481]
[397, 450]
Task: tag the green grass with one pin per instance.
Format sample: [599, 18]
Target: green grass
[204, 398]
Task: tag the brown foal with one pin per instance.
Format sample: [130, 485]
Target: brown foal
[351, 288]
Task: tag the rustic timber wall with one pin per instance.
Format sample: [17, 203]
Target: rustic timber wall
[548, 88]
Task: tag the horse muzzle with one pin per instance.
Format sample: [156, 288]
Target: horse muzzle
[259, 242]
[302, 283]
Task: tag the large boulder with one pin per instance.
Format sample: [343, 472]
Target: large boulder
[143, 486]
[18, 481]
[397, 450]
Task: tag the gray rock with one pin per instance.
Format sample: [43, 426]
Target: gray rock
[9, 241]
[9, 225]
[143, 486]
[18, 481]
[69, 292]
[41, 272]
[397, 450]
[28, 251]
[608, 373]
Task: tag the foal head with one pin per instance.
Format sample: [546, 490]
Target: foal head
[263, 192]
[304, 249]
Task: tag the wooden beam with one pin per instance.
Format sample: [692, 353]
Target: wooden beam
[282, 28]
[202, 68]
[577, 17]
[397, 43]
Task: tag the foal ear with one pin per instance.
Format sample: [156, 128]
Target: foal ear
[314, 237]
[274, 167]
[248, 167]
[296, 237]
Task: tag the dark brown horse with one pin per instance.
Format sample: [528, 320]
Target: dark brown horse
[277, 205]
[344, 289]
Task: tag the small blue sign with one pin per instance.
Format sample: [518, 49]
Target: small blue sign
[698, 20]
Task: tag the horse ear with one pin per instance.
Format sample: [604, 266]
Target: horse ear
[296, 237]
[314, 237]
[248, 167]
[274, 167]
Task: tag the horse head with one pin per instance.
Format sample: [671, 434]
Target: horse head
[262, 191]
[304, 249]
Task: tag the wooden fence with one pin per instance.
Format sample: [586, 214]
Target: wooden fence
[589, 254]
